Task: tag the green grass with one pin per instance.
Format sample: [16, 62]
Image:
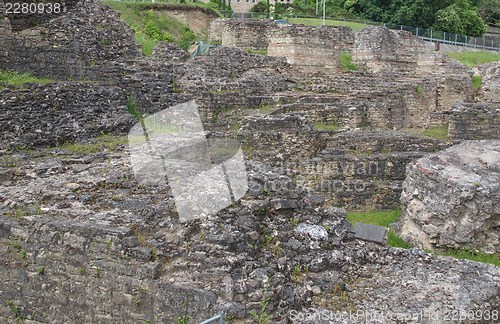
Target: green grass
[152, 26]
[18, 80]
[330, 127]
[345, 62]
[475, 58]
[439, 132]
[380, 218]
[102, 143]
[262, 52]
[473, 256]
[384, 218]
[147, 43]
[329, 22]
[476, 81]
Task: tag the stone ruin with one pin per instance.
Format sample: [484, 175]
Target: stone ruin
[82, 241]
[451, 199]
[374, 49]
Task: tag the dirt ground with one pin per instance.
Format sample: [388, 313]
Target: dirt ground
[198, 20]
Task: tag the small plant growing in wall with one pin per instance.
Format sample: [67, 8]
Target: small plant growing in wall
[296, 273]
[15, 311]
[345, 62]
[262, 317]
[41, 270]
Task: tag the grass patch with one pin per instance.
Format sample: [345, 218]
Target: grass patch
[346, 64]
[102, 143]
[330, 127]
[473, 256]
[380, 218]
[152, 26]
[384, 218]
[475, 58]
[261, 52]
[439, 132]
[18, 80]
[147, 43]
[476, 81]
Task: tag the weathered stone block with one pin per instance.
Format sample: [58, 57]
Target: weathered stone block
[369, 232]
[451, 199]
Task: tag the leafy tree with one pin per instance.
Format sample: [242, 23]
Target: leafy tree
[489, 11]
[460, 18]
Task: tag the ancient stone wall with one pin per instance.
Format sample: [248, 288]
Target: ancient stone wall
[311, 48]
[489, 91]
[250, 34]
[380, 49]
[374, 49]
[78, 272]
[474, 121]
[215, 30]
[77, 45]
[46, 115]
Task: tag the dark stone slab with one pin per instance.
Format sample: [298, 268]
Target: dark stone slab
[370, 232]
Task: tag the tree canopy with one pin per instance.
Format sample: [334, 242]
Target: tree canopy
[467, 17]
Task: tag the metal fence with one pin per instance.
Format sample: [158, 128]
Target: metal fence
[219, 318]
[482, 43]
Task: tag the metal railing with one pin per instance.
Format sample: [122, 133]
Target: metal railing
[425, 34]
[219, 317]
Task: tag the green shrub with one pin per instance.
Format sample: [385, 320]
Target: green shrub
[476, 81]
[346, 64]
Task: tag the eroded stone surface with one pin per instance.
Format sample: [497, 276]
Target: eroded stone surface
[490, 85]
[102, 247]
[450, 199]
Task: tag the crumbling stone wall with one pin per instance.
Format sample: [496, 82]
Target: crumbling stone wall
[379, 49]
[78, 272]
[311, 48]
[474, 121]
[215, 30]
[374, 49]
[66, 48]
[451, 199]
[250, 34]
[489, 90]
[58, 113]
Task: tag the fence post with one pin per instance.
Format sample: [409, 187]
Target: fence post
[401, 27]
[417, 32]
[295, 19]
[444, 37]
[343, 20]
[484, 42]
[456, 36]
[431, 36]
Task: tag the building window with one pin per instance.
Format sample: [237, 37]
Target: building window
[248, 1]
[253, 1]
